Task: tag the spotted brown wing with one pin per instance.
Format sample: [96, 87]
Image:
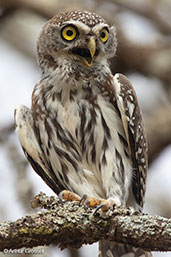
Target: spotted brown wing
[134, 130]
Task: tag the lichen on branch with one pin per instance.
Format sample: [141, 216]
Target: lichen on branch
[70, 225]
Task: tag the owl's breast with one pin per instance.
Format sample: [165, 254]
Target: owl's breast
[84, 135]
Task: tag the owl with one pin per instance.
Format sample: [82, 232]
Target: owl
[84, 134]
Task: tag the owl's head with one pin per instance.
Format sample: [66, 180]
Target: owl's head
[78, 36]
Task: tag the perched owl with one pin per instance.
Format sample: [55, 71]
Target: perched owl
[84, 131]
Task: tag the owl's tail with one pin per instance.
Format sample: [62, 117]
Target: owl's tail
[112, 249]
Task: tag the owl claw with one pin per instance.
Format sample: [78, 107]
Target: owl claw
[60, 196]
[83, 199]
[102, 206]
[85, 204]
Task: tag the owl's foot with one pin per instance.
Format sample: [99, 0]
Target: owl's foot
[87, 201]
[68, 196]
[95, 202]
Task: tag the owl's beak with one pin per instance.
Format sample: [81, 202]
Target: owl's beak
[92, 48]
[87, 53]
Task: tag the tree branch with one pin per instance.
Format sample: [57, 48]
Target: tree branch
[69, 225]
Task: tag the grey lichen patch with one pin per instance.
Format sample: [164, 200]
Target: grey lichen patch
[43, 201]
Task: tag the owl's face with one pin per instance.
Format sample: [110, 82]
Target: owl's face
[81, 37]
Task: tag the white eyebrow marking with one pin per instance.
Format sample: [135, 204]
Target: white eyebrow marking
[79, 24]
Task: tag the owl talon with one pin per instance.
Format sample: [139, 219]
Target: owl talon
[100, 207]
[60, 196]
[83, 199]
[85, 204]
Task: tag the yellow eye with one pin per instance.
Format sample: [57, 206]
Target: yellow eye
[69, 33]
[104, 34]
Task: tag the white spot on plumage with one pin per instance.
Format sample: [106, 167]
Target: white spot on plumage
[129, 92]
[131, 108]
[131, 123]
[139, 150]
[131, 98]
[142, 160]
